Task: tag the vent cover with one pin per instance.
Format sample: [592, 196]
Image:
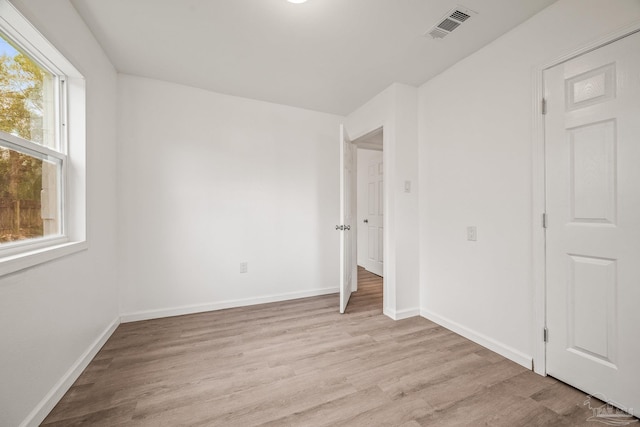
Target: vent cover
[459, 16]
[450, 22]
[448, 25]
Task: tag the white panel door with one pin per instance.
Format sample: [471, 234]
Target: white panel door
[348, 266]
[593, 237]
[374, 216]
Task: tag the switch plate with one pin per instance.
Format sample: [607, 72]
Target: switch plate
[472, 233]
[244, 267]
[407, 186]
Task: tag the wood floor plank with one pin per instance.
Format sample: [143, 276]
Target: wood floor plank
[301, 363]
[399, 412]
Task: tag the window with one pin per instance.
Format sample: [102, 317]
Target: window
[30, 174]
[42, 179]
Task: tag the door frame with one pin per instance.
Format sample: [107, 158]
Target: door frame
[539, 264]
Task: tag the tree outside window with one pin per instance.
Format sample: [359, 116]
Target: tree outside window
[28, 182]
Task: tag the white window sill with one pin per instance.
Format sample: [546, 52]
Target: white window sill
[30, 258]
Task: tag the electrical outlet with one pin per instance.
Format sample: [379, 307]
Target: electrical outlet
[472, 233]
[244, 267]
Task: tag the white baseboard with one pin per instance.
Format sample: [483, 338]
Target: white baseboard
[401, 314]
[485, 341]
[213, 306]
[45, 406]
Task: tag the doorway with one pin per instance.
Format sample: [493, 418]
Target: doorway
[370, 203]
[369, 217]
[367, 221]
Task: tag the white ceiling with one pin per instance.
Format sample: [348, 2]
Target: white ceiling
[324, 55]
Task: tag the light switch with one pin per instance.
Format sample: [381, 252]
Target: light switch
[407, 186]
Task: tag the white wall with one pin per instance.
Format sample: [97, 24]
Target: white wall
[395, 109]
[407, 215]
[207, 181]
[476, 169]
[50, 315]
[365, 157]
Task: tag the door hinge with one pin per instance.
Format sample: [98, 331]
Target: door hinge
[545, 335]
[544, 220]
[544, 106]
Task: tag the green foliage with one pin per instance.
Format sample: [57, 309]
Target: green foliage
[21, 106]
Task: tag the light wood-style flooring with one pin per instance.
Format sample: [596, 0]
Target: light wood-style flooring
[301, 363]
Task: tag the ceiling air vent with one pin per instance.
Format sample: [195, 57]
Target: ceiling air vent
[450, 22]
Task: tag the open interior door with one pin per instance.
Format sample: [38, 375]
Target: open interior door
[348, 267]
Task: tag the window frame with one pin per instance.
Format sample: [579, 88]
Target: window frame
[33, 149]
[70, 147]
